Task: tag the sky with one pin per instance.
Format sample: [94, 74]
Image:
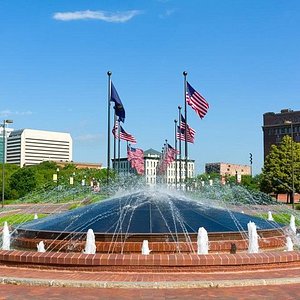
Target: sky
[242, 56]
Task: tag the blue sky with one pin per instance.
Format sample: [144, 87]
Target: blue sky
[243, 56]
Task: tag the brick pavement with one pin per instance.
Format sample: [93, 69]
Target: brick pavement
[13, 292]
[284, 284]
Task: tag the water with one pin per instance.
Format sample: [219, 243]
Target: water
[292, 224]
[35, 216]
[270, 217]
[289, 244]
[41, 247]
[90, 245]
[5, 237]
[127, 217]
[145, 248]
[202, 241]
[253, 238]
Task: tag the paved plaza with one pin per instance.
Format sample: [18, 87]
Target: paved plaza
[25, 283]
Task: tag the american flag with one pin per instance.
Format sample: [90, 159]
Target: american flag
[123, 134]
[181, 135]
[136, 158]
[196, 101]
[181, 131]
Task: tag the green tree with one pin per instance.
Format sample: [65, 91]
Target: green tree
[252, 183]
[9, 170]
[23, 181]
[277, 172]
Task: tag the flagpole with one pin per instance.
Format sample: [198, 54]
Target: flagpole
[119, 146]
[185, 132]
[175, 142]
[108, 125]
[115, 120]
[166, 153]
[179, 118]
[127, 157]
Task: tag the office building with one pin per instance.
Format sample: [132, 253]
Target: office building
[227, 169]
[277, 125]
[6, 134]
[27, 147]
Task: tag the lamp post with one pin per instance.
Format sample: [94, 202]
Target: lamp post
[3, 157]
[292, 164]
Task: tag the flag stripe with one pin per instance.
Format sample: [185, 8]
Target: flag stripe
[123, 134]
[196, 101]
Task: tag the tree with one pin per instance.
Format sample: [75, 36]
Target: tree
[252, 183]
[277, 171]
[23, 181]
[9, 170]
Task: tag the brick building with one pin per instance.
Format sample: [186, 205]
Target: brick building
[227, 169]
[277, 125]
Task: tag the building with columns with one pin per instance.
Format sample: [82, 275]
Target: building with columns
[151, 160]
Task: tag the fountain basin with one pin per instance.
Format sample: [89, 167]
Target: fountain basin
[170, 224]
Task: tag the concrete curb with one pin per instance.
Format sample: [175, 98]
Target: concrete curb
[148, 284]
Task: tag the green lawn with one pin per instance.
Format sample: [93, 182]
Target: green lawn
[281, 218]
[19, 218]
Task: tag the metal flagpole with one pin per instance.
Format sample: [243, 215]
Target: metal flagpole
[179, 120]
[119, 146]
[166, 153]
[185, 132]
[116, 134]
[108, 125]
[175, 137]
[127, 144]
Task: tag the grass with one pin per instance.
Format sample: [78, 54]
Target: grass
[281, 218]
[19, 218]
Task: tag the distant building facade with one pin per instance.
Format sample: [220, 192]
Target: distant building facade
[227, 169]
[151, 160]
[277, 125]
[27, 147]
[3, 147]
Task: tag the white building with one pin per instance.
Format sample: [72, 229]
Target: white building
[27, 147]
[151, 159]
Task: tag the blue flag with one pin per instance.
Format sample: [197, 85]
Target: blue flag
[119, 108]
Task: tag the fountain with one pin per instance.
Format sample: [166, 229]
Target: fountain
[289, 244]
[35, 216]
[41, 247]
[169, 220]
[90, 246]
[145, 248]
[253, 238]
[202, 241]
[5, 237]
[122, 227]
[270, 217]
[292, 224]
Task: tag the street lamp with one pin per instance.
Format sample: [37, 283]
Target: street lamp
[292, 152]
[3, 157]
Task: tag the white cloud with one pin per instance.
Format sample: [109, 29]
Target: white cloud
[89, 137]
[112, 17]
[7, 112]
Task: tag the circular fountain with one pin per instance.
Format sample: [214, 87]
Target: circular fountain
[169, 222]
